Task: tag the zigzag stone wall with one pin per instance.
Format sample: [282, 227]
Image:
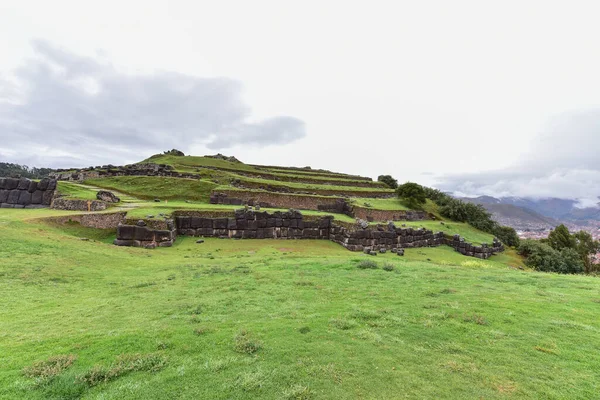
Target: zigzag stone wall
[247, 224]
[25, 193]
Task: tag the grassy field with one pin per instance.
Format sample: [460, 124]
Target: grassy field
[157, 187]
[76, 191]
[282, 320]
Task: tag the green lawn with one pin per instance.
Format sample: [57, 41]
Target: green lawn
[391, 204]
[76, 191]
[273, 319]
[157, 187]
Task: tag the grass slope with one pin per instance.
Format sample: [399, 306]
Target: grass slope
[147, 187]
[283, 319]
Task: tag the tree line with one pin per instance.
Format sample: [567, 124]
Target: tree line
[8, 170]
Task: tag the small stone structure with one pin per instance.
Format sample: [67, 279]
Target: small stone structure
[25, 193]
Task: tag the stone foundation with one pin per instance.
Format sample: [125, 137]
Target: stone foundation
[25, 193]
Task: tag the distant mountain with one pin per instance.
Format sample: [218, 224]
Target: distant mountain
[519, 217]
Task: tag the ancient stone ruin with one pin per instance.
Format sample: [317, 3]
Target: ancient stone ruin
[249, 224]
[25, 193]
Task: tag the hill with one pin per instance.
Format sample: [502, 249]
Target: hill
[518, 217]
[272, 318]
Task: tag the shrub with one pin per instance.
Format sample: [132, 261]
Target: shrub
[244, 343]
[367, 264]
[542, 257]
[388, 180]
[388, 267]
[412, 194]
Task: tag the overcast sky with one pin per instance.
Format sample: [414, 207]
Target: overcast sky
[479, 97]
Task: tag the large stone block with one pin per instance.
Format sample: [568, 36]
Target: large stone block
[37, 197]
[4, 196]
[32, 186]
[43, 184]
[47, 197]
[52, 184]
[11, 183]
[24, 198]
[13, 197]
[23, 184]
[2, 183]
[126, 232]
[220, 223]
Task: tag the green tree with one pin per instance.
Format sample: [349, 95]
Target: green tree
[560, 238]
[586, 247]
[412, 194]
[507, 235]
[388, 180]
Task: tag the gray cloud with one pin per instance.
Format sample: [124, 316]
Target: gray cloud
[61, 109]
[561, 163]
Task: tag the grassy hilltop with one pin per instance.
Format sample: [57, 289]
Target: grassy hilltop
[278, 319]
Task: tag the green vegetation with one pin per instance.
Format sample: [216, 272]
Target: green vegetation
[391, 204]
[562, 252]
[451, 228]
[149, 187]
[474, 214]
[17, 171]
[412, 194]
[76, 191]
[388, 180]
[283, 319]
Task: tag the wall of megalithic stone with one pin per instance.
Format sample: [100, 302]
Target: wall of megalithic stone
[317, 203]
[391, 237]
[291, 225]
[25, 193]
[256, 225]
[141, 235]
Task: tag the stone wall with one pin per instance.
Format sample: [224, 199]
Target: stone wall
[392, 238]
[107, 171]
[468, 249]
[389, 237]
[256, 225]
[141, 235]
[268, 199]
[61, 203]
[370, 215]
[25, 193]
[98, 221]
[248, 224]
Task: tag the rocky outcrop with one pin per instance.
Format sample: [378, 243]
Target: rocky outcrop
[108, 197]
[25, 193]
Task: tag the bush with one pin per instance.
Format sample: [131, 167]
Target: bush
[367, 264]
[388, 180]
[412, 194]
[507, 235]
[388, 267]
[542, 257]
